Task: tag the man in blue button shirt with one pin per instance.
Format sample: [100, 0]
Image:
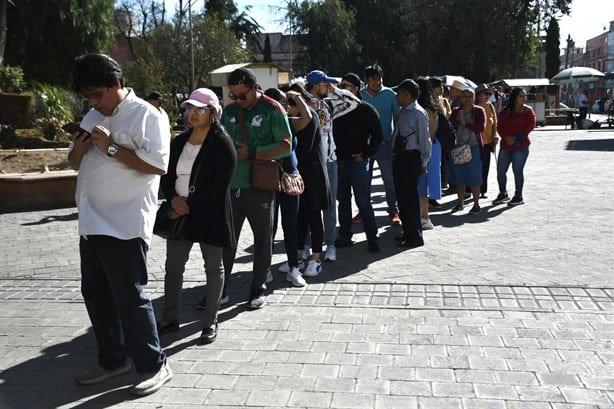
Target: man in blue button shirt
[411, 152]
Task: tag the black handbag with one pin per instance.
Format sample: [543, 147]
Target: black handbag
[178, 228]
[446, 134]
[170, 229]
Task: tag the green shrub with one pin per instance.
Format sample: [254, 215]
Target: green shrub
[55, 106]
[11, 79]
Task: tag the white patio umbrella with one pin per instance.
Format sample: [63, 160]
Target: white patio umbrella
[577, 74]
[449, 79]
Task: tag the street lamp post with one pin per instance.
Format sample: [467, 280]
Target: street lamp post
[570, 46]
[191, 46]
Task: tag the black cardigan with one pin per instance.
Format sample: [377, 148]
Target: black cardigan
[210, 217]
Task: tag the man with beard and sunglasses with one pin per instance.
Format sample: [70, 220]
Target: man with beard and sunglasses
[260, 130]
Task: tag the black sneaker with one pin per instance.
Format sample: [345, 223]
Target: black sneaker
[516, 200]
[434, 204]
[475, 209]
[501, 198]
[458, 208]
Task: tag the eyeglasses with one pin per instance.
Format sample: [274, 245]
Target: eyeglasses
[200, 110]
[241, 97]
[95, 94]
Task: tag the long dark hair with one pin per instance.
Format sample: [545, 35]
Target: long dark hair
[427, 98]
[510, 104]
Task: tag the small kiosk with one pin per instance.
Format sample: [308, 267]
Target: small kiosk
[542, 96]
[269, 75]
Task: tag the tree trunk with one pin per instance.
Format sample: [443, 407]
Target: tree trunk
[2, 29]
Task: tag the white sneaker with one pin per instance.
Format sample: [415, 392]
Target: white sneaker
[331, 254]
[296, 278]
[314, 267]
[285, 267]
[306, 253]
[427, 224]
[269, 276]
[151, 382]
[256, 303]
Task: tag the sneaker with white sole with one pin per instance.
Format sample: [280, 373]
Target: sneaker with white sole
[285, 267]
[427, 224]
[296, 278]
[100, 374]
[152, 382]
[314, 267]
[331, 254]
[256, 302]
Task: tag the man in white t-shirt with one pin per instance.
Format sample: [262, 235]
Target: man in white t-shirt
[120, 155]
[582, 105]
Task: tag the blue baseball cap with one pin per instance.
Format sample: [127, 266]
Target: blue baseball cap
[317, 76]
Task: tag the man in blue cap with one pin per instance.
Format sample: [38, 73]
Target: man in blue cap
[330, 103]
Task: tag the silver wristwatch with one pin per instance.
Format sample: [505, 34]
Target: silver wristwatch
[112, 149]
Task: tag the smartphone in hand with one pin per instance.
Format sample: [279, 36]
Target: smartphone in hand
[74, 128]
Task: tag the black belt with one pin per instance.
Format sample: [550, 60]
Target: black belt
[407, 152]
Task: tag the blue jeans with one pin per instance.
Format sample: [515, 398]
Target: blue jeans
[355, 175]
[113, 279]
[383, 156]
[330, 215]
[517, 159]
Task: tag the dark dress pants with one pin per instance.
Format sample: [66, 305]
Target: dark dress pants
[406, 167]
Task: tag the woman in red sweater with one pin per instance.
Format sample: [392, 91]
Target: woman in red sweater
[515, 123]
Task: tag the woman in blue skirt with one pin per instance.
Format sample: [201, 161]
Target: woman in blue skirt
[429, 183]
[469, 120]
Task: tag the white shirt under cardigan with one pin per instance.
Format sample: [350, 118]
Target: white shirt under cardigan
[184, 168]
[114, 200]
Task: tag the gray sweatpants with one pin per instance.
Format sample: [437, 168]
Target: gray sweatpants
[177, 254]
[257, 207]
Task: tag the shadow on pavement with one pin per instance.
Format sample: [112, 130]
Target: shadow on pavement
[606, 145]
[48, 379]
[58, 218]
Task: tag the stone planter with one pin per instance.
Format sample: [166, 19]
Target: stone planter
[37, 191]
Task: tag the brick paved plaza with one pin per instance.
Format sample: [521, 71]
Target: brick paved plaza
[511, 308]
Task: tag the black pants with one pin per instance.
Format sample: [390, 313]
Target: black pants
[583, 113]
[488, 149]
[406, 168]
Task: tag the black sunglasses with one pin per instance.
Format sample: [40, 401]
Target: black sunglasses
[242, 96]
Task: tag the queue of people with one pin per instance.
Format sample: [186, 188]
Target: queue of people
[327, 132]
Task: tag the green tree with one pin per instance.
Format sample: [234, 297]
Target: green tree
[241, 23]
[44, 37]
[214, 45]
[553, 60]
[328, 27]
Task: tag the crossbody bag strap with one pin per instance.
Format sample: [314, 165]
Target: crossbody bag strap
[242, 125]
[195, 172]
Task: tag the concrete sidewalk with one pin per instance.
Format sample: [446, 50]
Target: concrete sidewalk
[511, 308]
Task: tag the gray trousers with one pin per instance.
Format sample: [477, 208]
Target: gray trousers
[257, 207]
[177, 254]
